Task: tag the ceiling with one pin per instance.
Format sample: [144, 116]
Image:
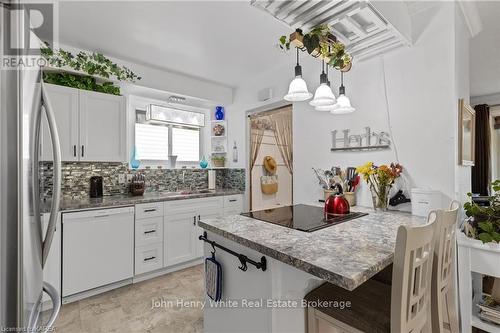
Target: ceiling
[485, 50]
[224, 42]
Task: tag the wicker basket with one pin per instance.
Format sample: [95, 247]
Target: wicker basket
[218, 163]
[269, 188]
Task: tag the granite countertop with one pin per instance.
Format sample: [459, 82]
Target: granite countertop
[129, 200]
[346, 254]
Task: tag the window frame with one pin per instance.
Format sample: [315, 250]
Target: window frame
[166, 163]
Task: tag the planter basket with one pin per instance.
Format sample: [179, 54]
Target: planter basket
[218, 163]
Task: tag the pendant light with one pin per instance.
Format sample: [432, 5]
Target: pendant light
[324, 95]
[323, 108]
[297, 91]
[343, 103]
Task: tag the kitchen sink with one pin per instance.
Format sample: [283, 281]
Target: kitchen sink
[188, 192]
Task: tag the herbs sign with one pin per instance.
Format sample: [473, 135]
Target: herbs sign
[366, 141]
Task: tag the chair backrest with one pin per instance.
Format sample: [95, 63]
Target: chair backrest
[411, 278]
[443, 279]
[444, 247]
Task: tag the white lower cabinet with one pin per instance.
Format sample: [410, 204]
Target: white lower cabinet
[149, 227]
[98, 248]
[181, 227]
[179, 232]
[233, 204]
[148, 258]
[52, 269]
[149, 231]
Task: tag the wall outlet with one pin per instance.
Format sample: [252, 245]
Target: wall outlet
[129, 177]
[121, 178]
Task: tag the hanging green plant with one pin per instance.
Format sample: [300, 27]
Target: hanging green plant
[319, 42]
[80, 82]
[90, 63]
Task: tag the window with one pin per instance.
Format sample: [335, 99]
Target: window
[186, 144]
[156, 142]
[151, 142]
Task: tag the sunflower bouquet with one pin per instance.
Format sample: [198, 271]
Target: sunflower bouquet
[380, 179]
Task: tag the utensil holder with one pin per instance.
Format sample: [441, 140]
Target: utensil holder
[351, 198]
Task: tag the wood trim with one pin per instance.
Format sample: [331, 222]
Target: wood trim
[463, 107]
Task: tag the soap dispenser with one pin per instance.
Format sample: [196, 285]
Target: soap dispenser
[235, 153]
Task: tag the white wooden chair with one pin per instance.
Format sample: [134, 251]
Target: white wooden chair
[376, 307]
[444, 310]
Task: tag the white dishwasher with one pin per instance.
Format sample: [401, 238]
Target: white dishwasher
[98, 248]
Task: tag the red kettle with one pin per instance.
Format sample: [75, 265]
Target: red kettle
[336, 203]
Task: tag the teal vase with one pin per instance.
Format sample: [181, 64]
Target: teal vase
[203, 163]
[134, 162]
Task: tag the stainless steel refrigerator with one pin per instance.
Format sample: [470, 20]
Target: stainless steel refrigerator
[23, 245]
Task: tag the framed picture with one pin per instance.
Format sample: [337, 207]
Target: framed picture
[466, 133]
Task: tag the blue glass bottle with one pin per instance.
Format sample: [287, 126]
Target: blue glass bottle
[134, 162]
[219, 113]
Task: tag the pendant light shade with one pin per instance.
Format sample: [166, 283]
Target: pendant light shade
[297, 91]
[324, 95]
[343, 105]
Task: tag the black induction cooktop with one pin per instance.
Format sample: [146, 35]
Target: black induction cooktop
[302, 217]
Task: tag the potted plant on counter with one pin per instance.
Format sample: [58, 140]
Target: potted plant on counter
[380, 179]
[478, 255]
[218, 161]
[483, 222]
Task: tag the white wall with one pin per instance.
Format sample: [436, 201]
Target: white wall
[422, 96]
[174, 83]
[462, 90]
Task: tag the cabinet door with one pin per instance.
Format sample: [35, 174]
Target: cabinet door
[178, 238]
[64, 101]
[102, 127]
[207, 213]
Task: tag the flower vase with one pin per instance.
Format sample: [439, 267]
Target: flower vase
[380, 197]
[134, 162]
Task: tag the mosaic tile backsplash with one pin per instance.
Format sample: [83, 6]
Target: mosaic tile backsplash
[76, 178]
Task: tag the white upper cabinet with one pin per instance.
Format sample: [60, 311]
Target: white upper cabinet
[102, 127]
[64, 101]
[91, 125]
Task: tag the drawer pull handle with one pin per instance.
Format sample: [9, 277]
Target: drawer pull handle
[233, 200]
[150, 231]
[150, 210]
[101, 216]
[424, 202]
[149, 258]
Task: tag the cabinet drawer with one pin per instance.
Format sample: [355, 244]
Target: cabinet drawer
[192, 205]
[154, 209]
[148, 258]
[231, 201]
[148, 231]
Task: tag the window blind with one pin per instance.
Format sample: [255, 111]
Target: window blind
[186, 144]
[151, 142]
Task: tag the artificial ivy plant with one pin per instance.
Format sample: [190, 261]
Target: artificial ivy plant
[320, 41]
[93, 64]
[484, 221]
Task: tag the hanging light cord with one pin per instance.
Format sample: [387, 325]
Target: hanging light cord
[297, 56]
[388, 112]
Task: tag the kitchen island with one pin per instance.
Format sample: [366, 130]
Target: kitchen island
[346, 255]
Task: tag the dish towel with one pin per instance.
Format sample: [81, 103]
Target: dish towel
[213, 278]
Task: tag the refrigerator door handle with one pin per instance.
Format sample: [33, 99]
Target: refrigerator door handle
[56, 191]
[35, 167]
[56, 306]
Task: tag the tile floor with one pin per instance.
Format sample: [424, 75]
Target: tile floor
[129, 309]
